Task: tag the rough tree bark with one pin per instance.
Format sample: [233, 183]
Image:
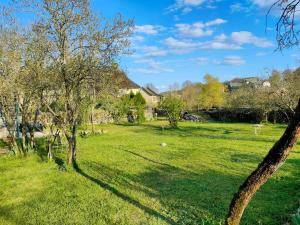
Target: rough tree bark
[271, 163]
[72, 145]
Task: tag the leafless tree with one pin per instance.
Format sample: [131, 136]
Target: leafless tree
[286, 27]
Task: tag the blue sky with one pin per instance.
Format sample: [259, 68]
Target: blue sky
[179, 40]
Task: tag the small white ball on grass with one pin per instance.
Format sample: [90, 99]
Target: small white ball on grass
[163, 144]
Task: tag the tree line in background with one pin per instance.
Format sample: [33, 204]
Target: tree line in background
[250, 102]
[58, 69]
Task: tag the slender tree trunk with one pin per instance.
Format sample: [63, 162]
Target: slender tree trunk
[71, 149]
[72, 145]
[92, 119]
[74, 134]
[24, 133]
[49, 149]
[32, 138]
[271, 163]
[266, 117]
[92, 110]
[13, 145]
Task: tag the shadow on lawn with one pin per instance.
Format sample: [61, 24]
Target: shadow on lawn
[195, 198]
[245, 158]
[204, 132]
[189, 197]
[43, 154]
[122, 195]
[148, 159]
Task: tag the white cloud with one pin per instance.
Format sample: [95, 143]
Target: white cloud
[245, 37]
[175, 46]
[184, 46]
[151, 67]
[137, 38]
[215, 22]
[191, 2]
[221, 38]
[149, 29]
[187, 10]
[154, 51]
[221, 45]
[238, 7]
[231, 61]
[198, 29]
[181, 44]
[185, 5]
[194, 30]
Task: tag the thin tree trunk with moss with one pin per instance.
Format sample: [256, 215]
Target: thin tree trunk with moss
[271, 163]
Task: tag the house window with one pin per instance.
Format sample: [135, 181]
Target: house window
[154, 99]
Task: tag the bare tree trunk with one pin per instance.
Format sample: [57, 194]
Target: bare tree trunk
[49, 149]
[92, 119]
[24, 134]
[271, 163]
[92, 110]
[70, 151]
[72, 145]
[32, 138]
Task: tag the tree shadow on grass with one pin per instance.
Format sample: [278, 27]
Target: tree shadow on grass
[196, 198]
[123, 196]
[245, 158]
[40, 149]
[43, 154]
[203, 132]
[189, 197]
[148, 159]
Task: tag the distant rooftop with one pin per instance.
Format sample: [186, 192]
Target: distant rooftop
[150, 91]
[125, 82]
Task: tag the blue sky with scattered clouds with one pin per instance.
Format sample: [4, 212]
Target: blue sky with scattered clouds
[179, 40]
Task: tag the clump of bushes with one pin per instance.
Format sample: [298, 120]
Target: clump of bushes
[172, 106]
[130, 105]
[134, 107]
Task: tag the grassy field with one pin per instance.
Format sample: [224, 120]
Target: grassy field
[126, 177]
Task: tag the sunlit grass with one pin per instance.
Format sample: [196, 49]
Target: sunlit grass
[126, 177]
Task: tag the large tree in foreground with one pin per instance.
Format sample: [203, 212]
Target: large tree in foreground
[81, 46]
[287, 37]
[271, 163]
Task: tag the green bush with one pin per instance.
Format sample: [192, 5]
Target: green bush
[173, 106]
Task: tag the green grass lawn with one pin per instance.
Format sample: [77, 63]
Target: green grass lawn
[126, 177]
